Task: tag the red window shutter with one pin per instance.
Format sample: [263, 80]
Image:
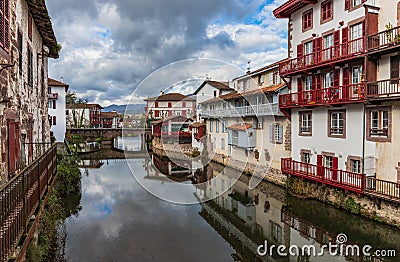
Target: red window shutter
[346, 81]
[54, 104]
[336, 41]
[183, 104]
[169, 104]
[394, 67]
[320, 169]
[54, 120]
[335, 165]
[156, 104]
[156, 113]
[346, 4]
[169, 113]
[184, 112]
[345, 39]
[300, 54]
[300, 88]
[336, 78]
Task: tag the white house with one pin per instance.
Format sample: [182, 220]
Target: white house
[172, 104]
[56, 92]
[84, 115]
[343, 68]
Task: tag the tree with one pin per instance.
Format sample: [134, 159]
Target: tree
[77, 117]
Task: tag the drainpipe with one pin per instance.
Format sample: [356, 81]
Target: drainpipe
[363, 143]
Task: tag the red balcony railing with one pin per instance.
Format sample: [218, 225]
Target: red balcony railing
[330, 176]
[387, 39]
[333, 95]
[384, 89]
[343, 51]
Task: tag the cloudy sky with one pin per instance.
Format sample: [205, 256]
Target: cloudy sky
[111, 47]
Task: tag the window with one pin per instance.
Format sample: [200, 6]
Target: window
[223, 143]
[308, 83]
[356, 2]
[326, 11]
[211, 125]
[183, 104]
[54, 120]
[276, 78]
[355, 166]
[169, 104]
[328, 80]
[215, 93]
[328, 47]
[43, 87]
[353, 4]
[356, 74]
[328, 161]
[379, 124]
[5, 25]
[261, 80]
[305, 128]
[305, 156]
[247, 85]
[271, 79]
[308, 20]
[276, 134]
[395, 67]
[217, 126]
[308, 49]
[356, 33]
[224, 127]
[30, 67]
[337, 123]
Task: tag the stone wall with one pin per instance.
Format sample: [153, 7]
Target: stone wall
[372, 208]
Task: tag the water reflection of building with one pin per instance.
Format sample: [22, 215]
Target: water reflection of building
[92, 163]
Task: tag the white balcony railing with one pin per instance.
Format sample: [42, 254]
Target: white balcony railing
[256, 110]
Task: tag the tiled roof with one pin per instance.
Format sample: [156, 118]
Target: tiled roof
[109, 114]
[79, 106]
[171, 97]
[170, 118]
[42, 20]
[197, 124]
[218, 85]
[53, 82]
[240, 127]
[235, 94]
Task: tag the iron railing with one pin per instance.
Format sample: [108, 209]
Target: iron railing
[21, 196]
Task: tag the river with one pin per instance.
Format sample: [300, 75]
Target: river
[119, 220]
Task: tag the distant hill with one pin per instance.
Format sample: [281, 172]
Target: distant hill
[133, 109]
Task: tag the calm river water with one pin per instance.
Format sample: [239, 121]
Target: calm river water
[121, 221]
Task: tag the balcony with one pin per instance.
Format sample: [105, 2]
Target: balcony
[327, 56]
[53, 95]
[384, 89]
[327, 96]
[384, 42]
[335, 177]
[256, 110]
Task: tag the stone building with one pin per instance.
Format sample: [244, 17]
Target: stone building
[27, 41]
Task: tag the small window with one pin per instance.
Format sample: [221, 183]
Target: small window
[337, 123]
[215, 93]
[276, 134]
[54, 120]
[355, 166]
[379, 127]
[326, 11]
[305, 128]
[305, 157]
[217, 126]
[211, 125]
[30, 26]
[261, 80]
[308, 20]
[30, 67]
[223, 143]
[328, 161]
[20, 52]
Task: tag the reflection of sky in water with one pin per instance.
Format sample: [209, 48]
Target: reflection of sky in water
[129, 143]
[120, 221]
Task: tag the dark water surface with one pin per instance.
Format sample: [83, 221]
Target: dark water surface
[121, 221]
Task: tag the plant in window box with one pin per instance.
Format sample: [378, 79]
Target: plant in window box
[389, 33]
[397, 39]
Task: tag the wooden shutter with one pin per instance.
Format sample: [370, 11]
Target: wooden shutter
[280, 137]
[54, 120]
[346, 82]
[320, 169]
[336, 84]
[335, 166]
[54, 104]
[169, 104]
[29, 26]
[157, 113]
[345, 39]
[300, 89]
[394, 67]
[13, 146]
[336, 41]
[300, 54]
[155, 104]
[169, 113]
[271, 134]
[346, 4]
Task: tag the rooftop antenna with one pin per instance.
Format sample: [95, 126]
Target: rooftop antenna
[207, 77]
[62, 79]
[248, 66]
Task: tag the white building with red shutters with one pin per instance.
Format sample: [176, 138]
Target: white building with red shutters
[172, 104]
[343, 70]
[57, 108]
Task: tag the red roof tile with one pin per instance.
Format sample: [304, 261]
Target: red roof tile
[170, 97]
[240, 127]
